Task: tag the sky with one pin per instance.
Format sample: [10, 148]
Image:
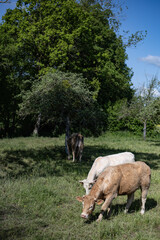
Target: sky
[144, 59]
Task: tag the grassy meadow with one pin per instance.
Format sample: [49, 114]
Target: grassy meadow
[39, 185]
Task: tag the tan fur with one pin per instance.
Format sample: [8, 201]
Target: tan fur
[123, 179]
[101, 163]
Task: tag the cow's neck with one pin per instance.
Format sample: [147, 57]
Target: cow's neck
[91, 176]
[95, 192]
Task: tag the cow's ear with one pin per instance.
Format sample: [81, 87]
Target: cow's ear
[81, 181]
[92, 183]
[99, 201]
[80, 199]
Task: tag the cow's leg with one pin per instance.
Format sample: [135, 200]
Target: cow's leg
[129, 202]
[73, 156]
[144, 198]
[80, 156]
[105, 205]
[109, 210]
[80, 149]
[68, 152]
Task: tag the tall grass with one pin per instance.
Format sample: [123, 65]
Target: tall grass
[38, 189]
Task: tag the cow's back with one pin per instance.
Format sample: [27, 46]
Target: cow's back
[134, 175]
[120, 158]
[124, 178]
[112, 160]
[75, 139]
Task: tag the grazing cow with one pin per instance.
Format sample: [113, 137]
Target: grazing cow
[101, 163]
[122, 179]
[75, 144]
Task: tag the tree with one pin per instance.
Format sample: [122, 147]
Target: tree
[144, 105]
[9, 81]
[61, 99]
[4, 1]
[65, 35]
[115, 13]
[69, 36]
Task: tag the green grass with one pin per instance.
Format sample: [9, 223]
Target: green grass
[38, 189]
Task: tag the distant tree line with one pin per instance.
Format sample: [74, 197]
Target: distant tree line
[141, 114]
[59, 60]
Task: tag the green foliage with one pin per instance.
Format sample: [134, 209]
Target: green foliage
[115, 123]
[133, 39]
[120, 118]
[140, 114]
[69, 36]
[59, 95]
[65, 35]
[134, 125]
[9, 80]
[145, 106]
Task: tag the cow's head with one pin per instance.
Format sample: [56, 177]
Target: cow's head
[87, 185]
[88, 205]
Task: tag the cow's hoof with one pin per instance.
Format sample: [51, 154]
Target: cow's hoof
[125, 211]
[98, 220]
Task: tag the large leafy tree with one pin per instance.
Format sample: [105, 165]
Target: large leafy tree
[68, 35]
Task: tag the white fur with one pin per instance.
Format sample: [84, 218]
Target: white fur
[101, 163]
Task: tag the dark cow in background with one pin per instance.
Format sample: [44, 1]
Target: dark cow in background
[75, 144]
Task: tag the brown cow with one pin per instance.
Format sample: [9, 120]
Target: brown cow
[75, 144]
[117, 180]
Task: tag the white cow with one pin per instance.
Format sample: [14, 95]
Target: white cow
[101, 163]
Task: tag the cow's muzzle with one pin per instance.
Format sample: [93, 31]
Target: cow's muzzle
[84, 215]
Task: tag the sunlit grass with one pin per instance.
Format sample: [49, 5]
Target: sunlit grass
[38, 189]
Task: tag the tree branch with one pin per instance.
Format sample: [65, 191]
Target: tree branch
[4, 1]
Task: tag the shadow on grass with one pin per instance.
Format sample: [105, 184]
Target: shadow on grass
[153, 160]
[154, 142]
[118, 208]
[53, 161]
[135, 207]
[14, 225]
[15, 232]
[12, 233]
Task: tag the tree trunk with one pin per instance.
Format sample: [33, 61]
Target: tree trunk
[6, 127]
[12, 131]
[67, 133]
[37, 125]
[145, 129]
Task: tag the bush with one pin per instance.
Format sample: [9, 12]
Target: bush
[129, 123]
